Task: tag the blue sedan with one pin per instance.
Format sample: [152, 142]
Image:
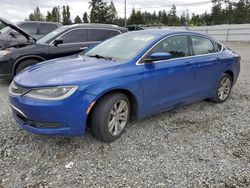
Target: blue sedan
[128, 77]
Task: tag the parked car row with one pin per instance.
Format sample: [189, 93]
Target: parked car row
[64, 41]
[128, 76]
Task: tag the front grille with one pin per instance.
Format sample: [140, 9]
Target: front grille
[17, 90]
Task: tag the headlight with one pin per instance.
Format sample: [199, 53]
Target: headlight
[4, 52]
[51, 93]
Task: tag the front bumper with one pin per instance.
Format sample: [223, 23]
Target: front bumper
[63, 118]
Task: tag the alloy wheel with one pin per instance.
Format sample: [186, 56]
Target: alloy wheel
[118, 117]
[224, 88]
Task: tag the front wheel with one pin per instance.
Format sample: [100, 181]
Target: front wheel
[223, 89]
[110, 117]
[25, 64]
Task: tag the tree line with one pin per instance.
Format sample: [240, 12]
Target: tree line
[222, 12]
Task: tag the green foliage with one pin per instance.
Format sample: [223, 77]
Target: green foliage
[223, 12]
[66, 15]
[54, 15]
[36, 15]
[77, 20]
[101, 12]
[85, 18]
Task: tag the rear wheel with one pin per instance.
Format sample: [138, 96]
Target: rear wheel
[223, 88]
[25, 64]
[110, 117]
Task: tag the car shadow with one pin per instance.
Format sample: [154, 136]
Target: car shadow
[5, 82]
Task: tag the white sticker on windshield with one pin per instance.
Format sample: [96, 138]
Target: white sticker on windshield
[144, 38]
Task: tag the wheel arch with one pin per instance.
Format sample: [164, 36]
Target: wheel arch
[131, 96]
[229, 72]
[24, 58]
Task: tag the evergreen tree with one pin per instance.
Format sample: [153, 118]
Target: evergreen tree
[77, 20]
[53, 16]
[111, 13]
[99, 11]
[173, 19]
[85, 18]
[66, 16]
[36, 16]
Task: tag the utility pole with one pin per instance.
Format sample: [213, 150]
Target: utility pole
[186, 19]
[125, 12]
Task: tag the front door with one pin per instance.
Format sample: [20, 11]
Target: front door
[168, 82]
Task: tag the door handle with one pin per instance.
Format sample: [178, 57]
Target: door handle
[187, 63]
[84, 48]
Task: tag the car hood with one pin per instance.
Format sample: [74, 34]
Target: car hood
[16, 28]
[4, 41]
[72, 70]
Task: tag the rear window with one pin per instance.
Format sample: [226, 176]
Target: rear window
[217, 46]
[46, 28]
[202, 45]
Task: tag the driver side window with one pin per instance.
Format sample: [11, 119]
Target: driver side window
[177, 46]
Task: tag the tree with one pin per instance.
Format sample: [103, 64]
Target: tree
[48, 17]
[164, 17]
[216, 14]
[85, 18]
[99, 11]
[54, 15]
[66, 15]
[77, 20]
[136, 17]
[36, 16]
[173, 19]
[111, 13]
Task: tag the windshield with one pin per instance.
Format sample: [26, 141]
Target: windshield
[122, 47]
[47, 38]
[4, 30]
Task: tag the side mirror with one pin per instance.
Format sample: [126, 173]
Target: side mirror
[14, 33]
[158, 57]
[58, 42]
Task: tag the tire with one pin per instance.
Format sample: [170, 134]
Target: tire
[223, 89]
[25, 64]
[105, 116]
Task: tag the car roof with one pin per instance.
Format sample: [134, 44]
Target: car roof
[164, 32]
[93, 25]
[43, 22]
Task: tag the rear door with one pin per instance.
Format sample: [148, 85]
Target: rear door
[207, 63]
[74, 41]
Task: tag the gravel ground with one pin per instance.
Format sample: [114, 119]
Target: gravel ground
[200, 145]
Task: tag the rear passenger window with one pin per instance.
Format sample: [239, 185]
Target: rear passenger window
[217, 47]
[30, 28]
[75, 36]
[47, 28]
[114, 33]
[177, 46]
[202, 45]
[98, 34]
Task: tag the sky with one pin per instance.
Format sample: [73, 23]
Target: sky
[18, 10]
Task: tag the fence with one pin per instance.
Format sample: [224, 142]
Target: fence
[234, 32]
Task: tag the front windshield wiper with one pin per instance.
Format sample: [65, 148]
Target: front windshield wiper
[100, 57]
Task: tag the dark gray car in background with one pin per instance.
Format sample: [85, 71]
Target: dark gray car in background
[37, 29]
[64, 41]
